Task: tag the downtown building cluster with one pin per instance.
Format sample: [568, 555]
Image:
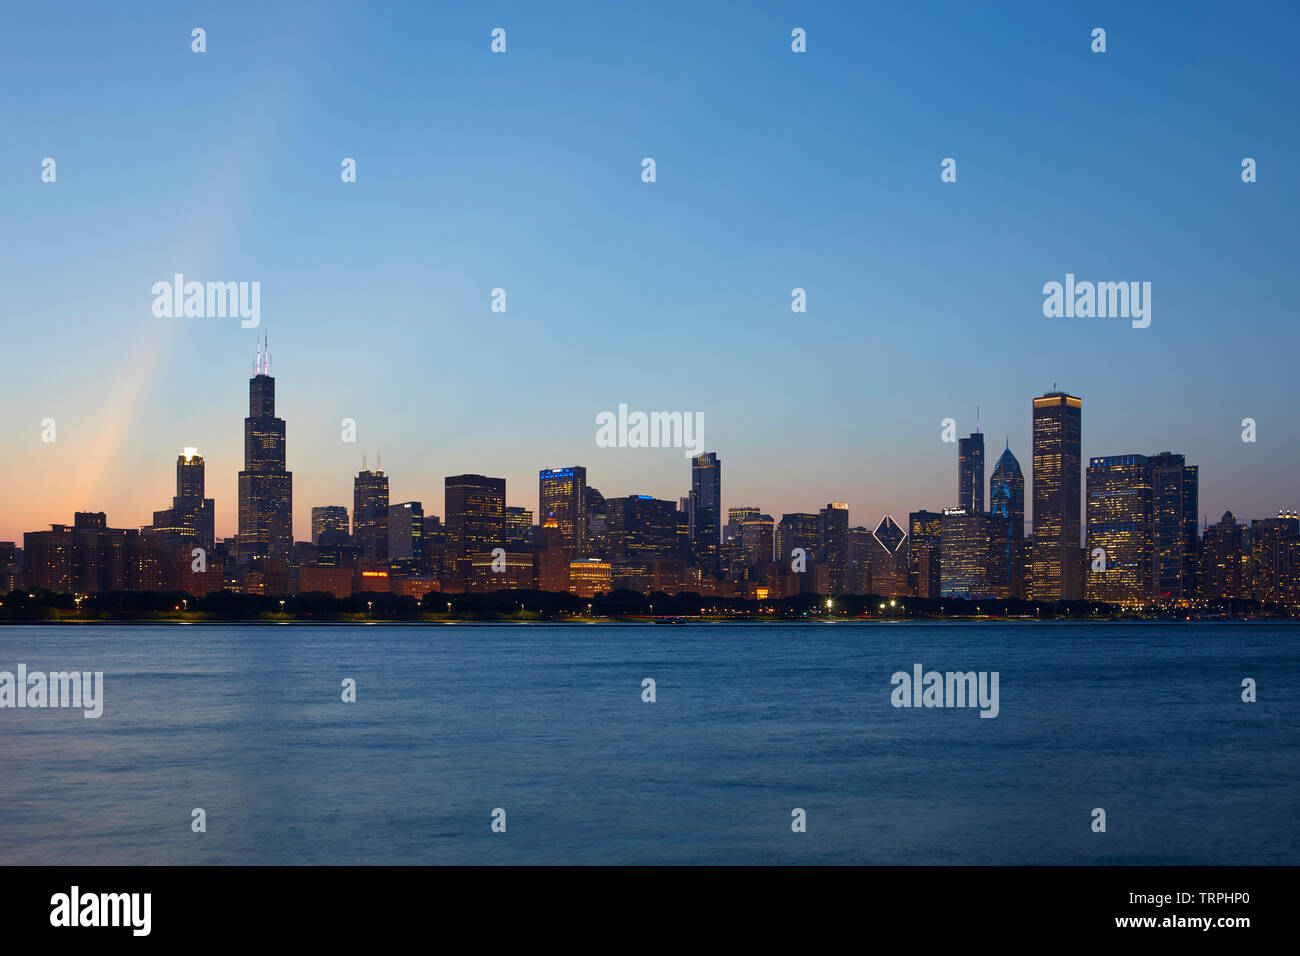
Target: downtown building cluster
[1130, 539]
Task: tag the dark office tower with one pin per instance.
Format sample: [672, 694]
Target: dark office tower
[834, 547]
[1058, 429]
[887, 565]
[1175, 490]
[370, 515]
[265, 487]
[706, 508]
[923, 556]
[798, 530]
[474, 517]
[519, 528]
[641, 526]
[683, 517]
[331, 520]
[1120, 523]
[1223, 560]
[966, 542]
[562, 495]
[970, 472]
[406, 532]
[597, 524]
[435, 545]
[191, 516]
[1007, 509]
[757, 539]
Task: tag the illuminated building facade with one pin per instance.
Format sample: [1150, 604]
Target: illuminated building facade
[562, 495]
[1057, 475]
[966, 540]
[474, 518]
[191, 516]
[1121, 525]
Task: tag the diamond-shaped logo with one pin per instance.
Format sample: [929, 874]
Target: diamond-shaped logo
[889, 534]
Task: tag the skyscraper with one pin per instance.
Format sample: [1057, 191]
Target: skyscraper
[970, 472]
[886, 559]
[191, 516]
[966, 544]
[329, 522]
[406, 532]
[757, 536]
[1120, 524]
[641, 526]
[474, 517]
[1275, 558]
[834, 547]
[1223, 560]
[1176, 505]
[519, 528]
[923, 557]
[706, 507]
[1007, 507]
[370, 514]
[1058, 430]
[798, 530]
[265, 487]
[562, 495]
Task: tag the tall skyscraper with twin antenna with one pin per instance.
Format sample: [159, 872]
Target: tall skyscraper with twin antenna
[265, 487]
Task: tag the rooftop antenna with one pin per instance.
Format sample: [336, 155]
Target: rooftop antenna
[257, 363]
[363, 462]
[379, 461]
[977, 419]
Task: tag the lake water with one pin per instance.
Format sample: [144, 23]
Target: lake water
[749, 722]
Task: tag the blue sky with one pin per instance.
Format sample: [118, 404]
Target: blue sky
[522, 171]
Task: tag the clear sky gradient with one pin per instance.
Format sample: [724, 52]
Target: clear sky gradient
[523, 171]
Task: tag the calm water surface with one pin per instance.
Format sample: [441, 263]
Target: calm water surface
[547, 722]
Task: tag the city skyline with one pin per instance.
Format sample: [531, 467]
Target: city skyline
[265, 442]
